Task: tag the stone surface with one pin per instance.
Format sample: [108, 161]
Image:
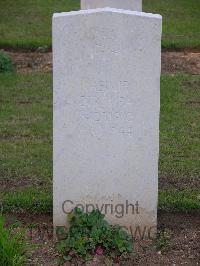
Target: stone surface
[106, 114]
[121, 4]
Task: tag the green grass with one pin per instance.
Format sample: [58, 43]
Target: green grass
[30, 199]
[26, 141]
[27, 23]
[185, 200]
[12, 249]
[181, 21]
[40, 202]
[180, 128]
[26, 125]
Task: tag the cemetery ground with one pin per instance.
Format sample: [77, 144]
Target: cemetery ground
[29, 26]
[26, 167]
[26, 132]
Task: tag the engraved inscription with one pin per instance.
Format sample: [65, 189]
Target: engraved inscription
[105, 105]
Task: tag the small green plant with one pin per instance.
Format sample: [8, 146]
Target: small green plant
[163, 239]
[6, 64]
[12, 247]
[90, 233]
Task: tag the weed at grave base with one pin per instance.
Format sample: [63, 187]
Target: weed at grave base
[90, 234]
[6, 64]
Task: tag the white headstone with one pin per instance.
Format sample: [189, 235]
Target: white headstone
[120, 4]
[106, 114]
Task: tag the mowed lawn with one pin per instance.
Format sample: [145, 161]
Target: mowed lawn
[26, 142]
[27, 23]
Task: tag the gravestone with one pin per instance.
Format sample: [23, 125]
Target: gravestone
[106, 68]
[120, 4]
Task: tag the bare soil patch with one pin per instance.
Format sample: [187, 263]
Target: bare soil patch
[12, 184]
[171, 182]
[32, 61]
[181, 62]
[181, 247]
[172, 61]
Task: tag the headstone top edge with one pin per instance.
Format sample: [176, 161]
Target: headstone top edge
[104, 10]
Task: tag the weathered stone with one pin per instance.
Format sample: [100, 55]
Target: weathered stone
[121, 4]
[106, 114]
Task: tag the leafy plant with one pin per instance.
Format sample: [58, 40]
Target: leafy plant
[90, 233]
[12, 248]
[6, 64]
